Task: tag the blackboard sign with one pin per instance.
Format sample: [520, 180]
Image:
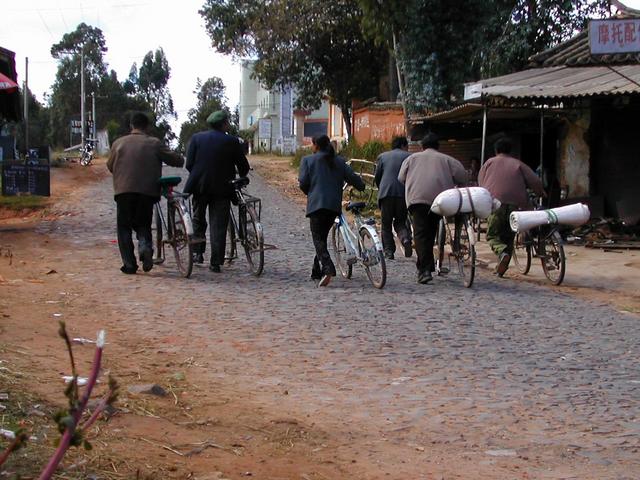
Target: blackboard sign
[19, 178]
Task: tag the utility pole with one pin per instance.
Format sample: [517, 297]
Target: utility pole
[25, 96]
[82, 113]
[93, 116]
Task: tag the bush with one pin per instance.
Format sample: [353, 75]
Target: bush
[369, 151]
[297, 158]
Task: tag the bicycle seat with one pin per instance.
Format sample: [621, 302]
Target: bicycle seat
[355, 206]
[169, 181]
[239, 182]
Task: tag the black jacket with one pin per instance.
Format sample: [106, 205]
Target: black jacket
[323, 182]
[212, 160]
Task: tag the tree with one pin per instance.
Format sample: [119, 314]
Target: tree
[64, 102]
[531, 26]
[317, 46]
[439, 44]
[152, 79]
[210, 97]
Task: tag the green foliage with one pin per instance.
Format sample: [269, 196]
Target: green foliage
[368, 151]
[211, 97]
[315, 45]
[151, 84]
[299, 155]
[440, 44]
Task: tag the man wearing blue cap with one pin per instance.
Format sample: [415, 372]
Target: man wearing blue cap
[213, 157]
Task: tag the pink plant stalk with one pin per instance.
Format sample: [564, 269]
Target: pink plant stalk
[65, 441]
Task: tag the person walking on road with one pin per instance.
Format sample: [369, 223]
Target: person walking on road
[135, 161]
[213, 157]
[425, 175]
[507, 178]
[322, 176]
[393, 208]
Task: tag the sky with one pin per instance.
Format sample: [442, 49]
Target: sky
[131, 29]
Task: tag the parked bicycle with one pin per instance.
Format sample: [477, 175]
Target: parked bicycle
[358, 243]
[87, 152]
[543, 242]
[245, 228]
[458, 234]
[173, 226]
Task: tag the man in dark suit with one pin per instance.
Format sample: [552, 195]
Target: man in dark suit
[393, 208]
[213, 157]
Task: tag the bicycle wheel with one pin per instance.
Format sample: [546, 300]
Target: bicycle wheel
[553, 259]
[440, 246]
[373, 258]
[465, 251]
[340, 251]
[522, 252]
[253, 241]
[158, 233]
[231, 249]
[179, 239]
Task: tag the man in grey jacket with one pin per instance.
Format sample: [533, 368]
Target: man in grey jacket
[135, 161]
[393, 208]
[425, 175]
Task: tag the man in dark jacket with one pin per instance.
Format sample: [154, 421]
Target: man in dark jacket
[135, 161]
[322, 176]
[212, 160]
[393, 207]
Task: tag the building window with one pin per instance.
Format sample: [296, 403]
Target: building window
[314, 129]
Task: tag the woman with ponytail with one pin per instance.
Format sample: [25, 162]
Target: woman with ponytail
[322, 176]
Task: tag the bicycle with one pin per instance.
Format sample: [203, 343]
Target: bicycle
[543, 242]
[246, 228]
[364, 247]
[461, 240]
[87, 152]
[175, 228]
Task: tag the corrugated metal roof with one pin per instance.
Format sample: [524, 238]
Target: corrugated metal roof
[563, 82]
[464, 110]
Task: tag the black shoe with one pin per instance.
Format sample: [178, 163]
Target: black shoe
[424, 278]
[503, 264]
[388, 255]
[128, 270]
[198, 258]
[146, 256]
[408, 249]
[215, 268]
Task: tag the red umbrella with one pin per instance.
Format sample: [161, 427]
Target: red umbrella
[6, 84]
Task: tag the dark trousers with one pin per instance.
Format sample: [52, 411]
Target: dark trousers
[134, 213]
[425, 229]
[218, 223]
[394, 216]
[321, 222]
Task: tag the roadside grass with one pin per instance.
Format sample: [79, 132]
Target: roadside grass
[23, 202]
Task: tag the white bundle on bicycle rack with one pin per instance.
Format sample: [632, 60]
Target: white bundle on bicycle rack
[576, 214]
[476, 200]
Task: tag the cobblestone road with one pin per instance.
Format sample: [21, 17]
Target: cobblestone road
[500, 371]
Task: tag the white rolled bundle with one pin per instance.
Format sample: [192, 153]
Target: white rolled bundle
[476, 200]
[576, 214]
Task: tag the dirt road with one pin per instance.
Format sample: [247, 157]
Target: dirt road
[273, 378]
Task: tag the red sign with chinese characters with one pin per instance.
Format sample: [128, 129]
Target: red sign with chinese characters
[614, 36]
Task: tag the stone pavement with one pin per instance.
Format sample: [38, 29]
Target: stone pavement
[505, 371]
